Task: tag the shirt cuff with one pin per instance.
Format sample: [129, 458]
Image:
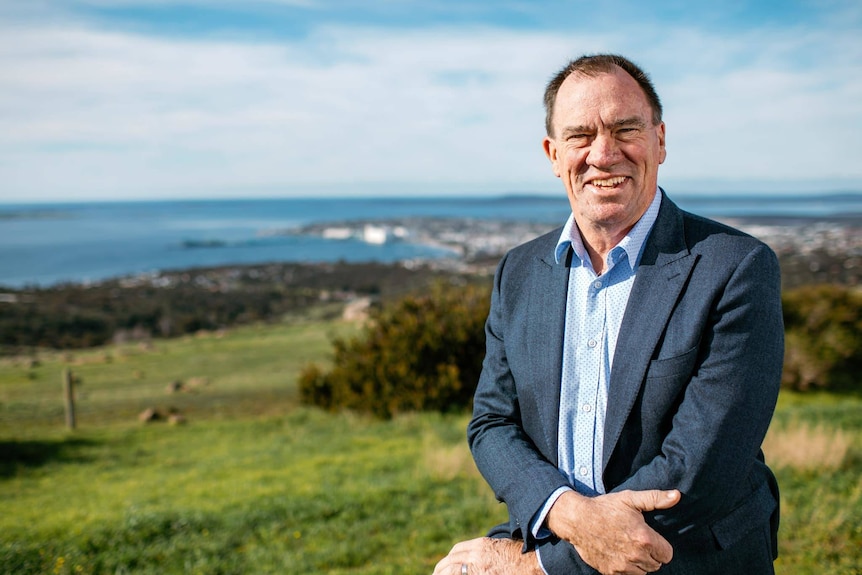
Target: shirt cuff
[537, 525]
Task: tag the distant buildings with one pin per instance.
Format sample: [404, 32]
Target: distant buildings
[810, 250]
[369, 233]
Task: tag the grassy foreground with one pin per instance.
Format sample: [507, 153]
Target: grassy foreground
[254, 483]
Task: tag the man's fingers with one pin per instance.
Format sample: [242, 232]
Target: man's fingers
[650, 566]
[653, 499]
[668, 499]
[661, 550]
[464, 552]
[650, 500]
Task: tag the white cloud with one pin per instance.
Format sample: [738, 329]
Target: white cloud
[772, 115]
[89, 112]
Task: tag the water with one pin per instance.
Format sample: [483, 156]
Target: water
[45, 244]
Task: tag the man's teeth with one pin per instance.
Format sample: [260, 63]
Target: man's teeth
[609, 183]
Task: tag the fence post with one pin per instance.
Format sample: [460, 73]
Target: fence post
[69, 396]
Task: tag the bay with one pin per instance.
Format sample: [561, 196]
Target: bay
[45, 244]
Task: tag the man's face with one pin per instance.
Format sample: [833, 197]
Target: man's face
[605, 149]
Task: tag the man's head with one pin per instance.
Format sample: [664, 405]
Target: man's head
[605, 142]
[593, 66]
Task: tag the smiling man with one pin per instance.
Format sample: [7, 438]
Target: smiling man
[632, 367]
[605, 143]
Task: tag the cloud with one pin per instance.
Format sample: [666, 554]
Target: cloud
[344, 106]
[771, 110]
[89, 111]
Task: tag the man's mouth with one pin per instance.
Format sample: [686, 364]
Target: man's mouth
[608, 182]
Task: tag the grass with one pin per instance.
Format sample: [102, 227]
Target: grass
[255, 483]
[300, 493]
[805, 448]
[815, 447]
[240, 373]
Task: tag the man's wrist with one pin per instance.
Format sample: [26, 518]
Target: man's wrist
[561, 518]
[515, 561]
[530, 564]
[538, 526]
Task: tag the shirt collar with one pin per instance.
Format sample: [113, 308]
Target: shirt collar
[632, 243]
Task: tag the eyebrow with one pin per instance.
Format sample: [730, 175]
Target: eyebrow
[632, 122]
[569, 130]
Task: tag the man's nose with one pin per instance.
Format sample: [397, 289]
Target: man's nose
[604, 151]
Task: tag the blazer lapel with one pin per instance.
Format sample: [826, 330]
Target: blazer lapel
[550, 283]
[663, 271]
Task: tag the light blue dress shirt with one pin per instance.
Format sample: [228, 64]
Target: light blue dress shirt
[594, 312]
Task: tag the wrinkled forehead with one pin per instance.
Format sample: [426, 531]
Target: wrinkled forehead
[602, 97]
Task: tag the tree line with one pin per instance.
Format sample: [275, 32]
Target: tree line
[422, 348]
[425, 352]
[171, 304]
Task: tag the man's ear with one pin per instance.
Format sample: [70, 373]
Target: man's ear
[661, 141]
[550, 147]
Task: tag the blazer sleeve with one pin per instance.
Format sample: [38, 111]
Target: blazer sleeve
[711, 452]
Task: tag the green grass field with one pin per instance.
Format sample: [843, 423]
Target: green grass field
[255, 483]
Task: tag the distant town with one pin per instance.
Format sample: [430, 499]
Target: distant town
[827, 249]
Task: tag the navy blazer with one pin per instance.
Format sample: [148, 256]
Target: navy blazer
[691, 393]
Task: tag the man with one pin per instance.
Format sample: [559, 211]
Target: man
[632, 368]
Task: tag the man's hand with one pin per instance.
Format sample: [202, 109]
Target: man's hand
[609, 531]
[487, 556]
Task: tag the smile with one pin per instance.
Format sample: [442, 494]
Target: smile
[609, 182]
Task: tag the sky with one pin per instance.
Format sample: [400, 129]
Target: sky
[134, 99]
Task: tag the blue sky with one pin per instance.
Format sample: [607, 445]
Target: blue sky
[133, 99]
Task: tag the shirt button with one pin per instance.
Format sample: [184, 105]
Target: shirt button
[591, 343]
[583, 471]
[597, 284]
[587, 407]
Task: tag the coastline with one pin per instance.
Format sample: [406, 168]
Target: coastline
[89, 243]
[812, 249]
[173, 302]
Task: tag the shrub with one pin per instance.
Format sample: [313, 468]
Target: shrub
[422, 353]
[823, 329]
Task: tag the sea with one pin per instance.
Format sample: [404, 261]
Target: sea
[44, 244]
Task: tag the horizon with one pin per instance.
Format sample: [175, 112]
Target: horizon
[48, 243]
[735, 196]
[130, 100]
